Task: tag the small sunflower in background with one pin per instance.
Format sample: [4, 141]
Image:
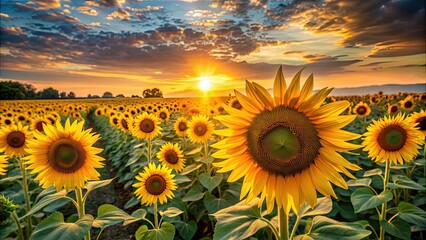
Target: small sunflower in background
[392, 109]
[419, 119]
[146, 126]
[362, 109]
[114, 121]
[6, 121]
[14, 139]
[408, 103]
[155, 184]
[163, 114]
[200, 129]
[393, 139]
[124, 123]
[172, 156]
[180, 126]
[64, 156]
[234, 103]
[286, 147]
[3, 164]
[37, 124]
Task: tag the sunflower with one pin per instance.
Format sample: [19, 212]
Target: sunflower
[6, 121]
[172, 156]
[419, 118]
[114, 121]
[392, 109]
[37, 124]
[14, 139]
[146, 126]
[64, 156]
[362, 109]
[3, 164]
[123, 123]
[180, 126]
[407, 103]
[163, 114]
[281, 143]
[156, 183]
[200, 129]
[392, 138]
[234, 103]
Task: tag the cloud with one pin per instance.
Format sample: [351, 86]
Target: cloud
[119, 14]
[87, 10]
[95, 24]
[393, 28]
[4, 15]
[319, 57]
[48, 4]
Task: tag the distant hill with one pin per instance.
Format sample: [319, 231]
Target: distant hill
[386, 89]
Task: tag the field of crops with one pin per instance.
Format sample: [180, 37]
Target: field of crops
[285, 164]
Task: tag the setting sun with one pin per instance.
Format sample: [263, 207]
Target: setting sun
[205, 84]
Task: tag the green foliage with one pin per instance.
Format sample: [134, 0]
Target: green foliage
[165, 232]
[364, 199]
[10, 90]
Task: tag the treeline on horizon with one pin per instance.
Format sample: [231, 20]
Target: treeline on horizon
[12, 90]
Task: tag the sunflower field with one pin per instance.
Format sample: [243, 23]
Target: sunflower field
[290, 163]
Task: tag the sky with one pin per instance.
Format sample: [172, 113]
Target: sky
[126, 46]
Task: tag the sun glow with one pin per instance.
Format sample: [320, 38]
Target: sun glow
[205, 84]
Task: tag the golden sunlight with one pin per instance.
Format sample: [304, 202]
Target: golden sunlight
[205, 83]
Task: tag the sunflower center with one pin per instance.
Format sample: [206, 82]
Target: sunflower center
[182, 126]
[16, 139]
[66, 155]
[171, 157]
[124, 124]
[39, 126]
[200, 129]
[155, 184]
[361, 110]
[236, 104]
[8, 122]
[392, 138]
[394, 109]
[163, 115]
[147, 126]
[283, 141]
[421, 123]
[408, 104]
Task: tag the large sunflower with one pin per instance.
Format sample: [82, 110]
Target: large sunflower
[64, 156]
[200, 129]
[392, 138]
[419, 118]
[180, 126]
[14, 139]
[3, 164]
[286, 147]
[156, 183]
[362, 109]
[172, 156]
[146, 126]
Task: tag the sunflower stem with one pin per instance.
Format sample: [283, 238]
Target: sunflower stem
[27, 197]
[156, 216]
[81, 208]
[296, 225]
[18, 224]
[149, 150]
[385, 185]
[283, 217]
[206, 155]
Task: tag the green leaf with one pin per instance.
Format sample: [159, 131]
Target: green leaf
[210, 182]
[360, 182]
[138, 215]
[109, 215]
[401, 181]
[324, 228]
[166, 232]
[364, 198]
[92, 185]
[186, 230]
[213, 204]
[194, 151]
[397, 228]
[324, 206]
[45, 201]
[372, 172]
[412, 214]
[194, 193]
[171, 212]
[54, 228]
[239, 221]
[190, 168]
